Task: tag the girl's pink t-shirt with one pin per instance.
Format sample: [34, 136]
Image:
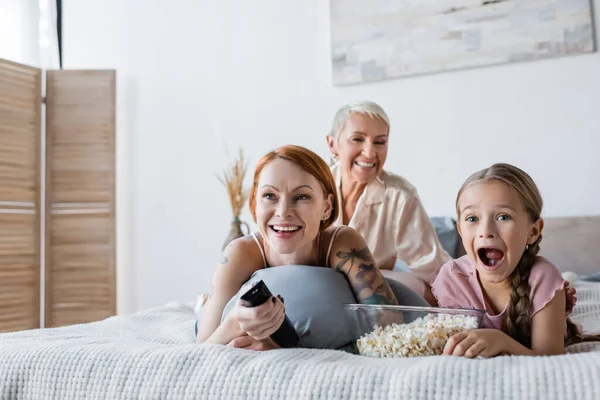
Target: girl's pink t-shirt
[457, 286]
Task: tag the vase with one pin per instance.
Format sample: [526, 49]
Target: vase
[235, 231]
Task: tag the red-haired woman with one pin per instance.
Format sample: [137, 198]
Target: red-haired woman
[293, 200]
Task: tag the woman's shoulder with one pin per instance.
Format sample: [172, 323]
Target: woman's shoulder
[397, 183]
[344, 239]
[239, 260]
[243, 243]
[243, 254]
[340, 234]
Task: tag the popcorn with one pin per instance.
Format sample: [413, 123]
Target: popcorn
[425, 336]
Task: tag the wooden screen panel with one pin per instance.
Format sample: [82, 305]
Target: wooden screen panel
[80, 197]
[20, 118]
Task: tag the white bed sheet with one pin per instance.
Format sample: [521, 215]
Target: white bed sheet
[152, 355]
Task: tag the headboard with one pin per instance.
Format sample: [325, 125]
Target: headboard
[572, 243]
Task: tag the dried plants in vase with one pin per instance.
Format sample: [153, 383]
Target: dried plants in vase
[233, 180]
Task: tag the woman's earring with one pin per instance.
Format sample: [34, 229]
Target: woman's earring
[526, 247]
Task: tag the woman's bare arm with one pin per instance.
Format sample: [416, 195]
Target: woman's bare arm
[351, 256]
[238, 263]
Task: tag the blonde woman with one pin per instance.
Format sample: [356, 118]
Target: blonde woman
[383, 207]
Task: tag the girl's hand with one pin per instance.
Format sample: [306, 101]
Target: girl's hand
[259, 322]
[249, 343]
[473, 343]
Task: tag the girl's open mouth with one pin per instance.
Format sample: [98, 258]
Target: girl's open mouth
[490, 258]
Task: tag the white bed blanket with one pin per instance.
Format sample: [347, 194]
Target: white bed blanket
[151, 355]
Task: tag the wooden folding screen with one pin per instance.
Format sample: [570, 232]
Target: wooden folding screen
[20, 118]
[80, 232]
[80, 197]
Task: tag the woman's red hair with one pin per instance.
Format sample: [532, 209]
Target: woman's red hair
[309, 162]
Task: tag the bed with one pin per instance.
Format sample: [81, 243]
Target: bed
[151, 355]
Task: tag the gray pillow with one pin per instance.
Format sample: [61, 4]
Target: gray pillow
[314, 299]
[406, 296]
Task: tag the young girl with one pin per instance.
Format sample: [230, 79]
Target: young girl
[527, 302]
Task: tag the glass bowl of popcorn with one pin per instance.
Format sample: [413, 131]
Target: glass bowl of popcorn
[406, 331]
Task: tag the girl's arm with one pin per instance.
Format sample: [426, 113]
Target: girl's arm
[547, 336]
[351, 256]
[547, 331]
[240, 260]
[548, 327]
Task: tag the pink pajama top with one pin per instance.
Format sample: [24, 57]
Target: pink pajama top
[457, 286]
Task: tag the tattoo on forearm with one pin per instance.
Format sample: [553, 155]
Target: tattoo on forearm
[375, 299]
[367, 279]
[344, 257]
[224, 260]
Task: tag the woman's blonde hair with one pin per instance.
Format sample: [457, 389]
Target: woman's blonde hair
[518, 323]
[366, 107]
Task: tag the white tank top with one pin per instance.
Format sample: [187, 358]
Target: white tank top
[262, 250]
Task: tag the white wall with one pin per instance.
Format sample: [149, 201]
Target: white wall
[196, 75]
[28, 32]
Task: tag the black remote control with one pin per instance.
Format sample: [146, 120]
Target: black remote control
[259, 293]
